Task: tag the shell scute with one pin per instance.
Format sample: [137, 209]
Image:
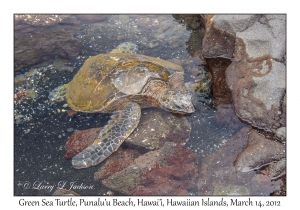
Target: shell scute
[106, 79]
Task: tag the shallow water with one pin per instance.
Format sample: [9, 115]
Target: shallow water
[42, 127]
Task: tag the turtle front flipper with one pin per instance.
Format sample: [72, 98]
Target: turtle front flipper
[120, 126]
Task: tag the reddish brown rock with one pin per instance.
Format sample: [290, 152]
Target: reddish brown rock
[219, 40]
[80, 140]
[218, 47]
[19, 95]
[116, 162]
[221, 91]
[218, 43]
[171, 170]
[206, 20]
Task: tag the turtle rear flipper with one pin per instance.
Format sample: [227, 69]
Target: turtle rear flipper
[59, 93]
[120, 126]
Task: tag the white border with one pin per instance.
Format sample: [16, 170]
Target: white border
[151, 6]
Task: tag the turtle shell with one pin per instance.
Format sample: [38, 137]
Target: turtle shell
[106, 79]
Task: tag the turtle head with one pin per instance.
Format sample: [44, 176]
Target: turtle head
[177, 101]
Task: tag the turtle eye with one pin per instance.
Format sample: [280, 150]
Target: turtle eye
[177, 106]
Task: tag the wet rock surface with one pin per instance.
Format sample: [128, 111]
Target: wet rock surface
[80, 140]
[266, 36]
[261, 184]
[218, 48]
[234, 23]
[231, 190]
[40, 38]
[118, 161]
[280, 134]
[245, 62]
[217, 169]
[226, 117]
[251, 76]
[277, 169]
[27, 23]
[248, 51]
[171, 170]
[62, 65]
[221, 91]
[218, 175]
[35, 47]
[91, 18]
[259, 152]
[157, 127]
[254, 92]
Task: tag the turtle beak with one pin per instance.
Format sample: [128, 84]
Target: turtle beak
[190, 109]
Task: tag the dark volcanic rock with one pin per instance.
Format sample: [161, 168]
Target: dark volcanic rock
[34, 48]
[221, 91]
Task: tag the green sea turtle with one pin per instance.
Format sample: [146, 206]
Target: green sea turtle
[122, 83]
